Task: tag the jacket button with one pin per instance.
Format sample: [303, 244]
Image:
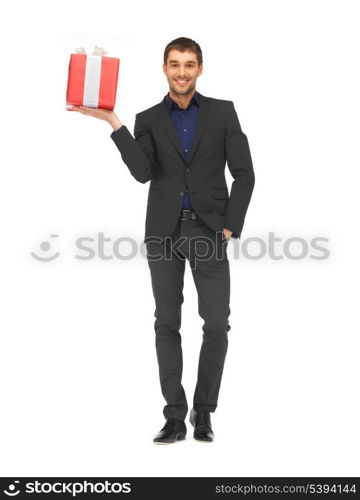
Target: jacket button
[188, 170]
[181, 193]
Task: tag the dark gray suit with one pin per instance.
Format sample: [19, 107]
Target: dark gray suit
[155, 154]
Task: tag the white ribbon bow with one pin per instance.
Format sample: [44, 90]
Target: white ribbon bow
[98, 51]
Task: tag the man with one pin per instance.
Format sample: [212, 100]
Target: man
[181, 146]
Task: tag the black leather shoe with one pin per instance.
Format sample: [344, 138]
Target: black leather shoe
[202, 425]
[173, 430]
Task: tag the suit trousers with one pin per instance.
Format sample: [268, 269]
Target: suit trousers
[206, 252]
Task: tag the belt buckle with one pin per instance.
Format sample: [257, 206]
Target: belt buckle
[187, 211]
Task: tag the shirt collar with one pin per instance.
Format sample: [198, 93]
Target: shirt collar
[169, 102]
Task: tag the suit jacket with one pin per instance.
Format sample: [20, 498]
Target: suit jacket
[154, 154]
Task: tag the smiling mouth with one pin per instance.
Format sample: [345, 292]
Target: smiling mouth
[181, 82]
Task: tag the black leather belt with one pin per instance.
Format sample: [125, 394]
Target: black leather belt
[188, 215]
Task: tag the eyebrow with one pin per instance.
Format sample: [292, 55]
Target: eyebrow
[187, 62]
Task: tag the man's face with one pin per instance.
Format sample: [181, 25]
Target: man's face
[182, 70]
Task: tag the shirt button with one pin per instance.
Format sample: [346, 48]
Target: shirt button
[181, 193]
[186, 150]
[185, 129]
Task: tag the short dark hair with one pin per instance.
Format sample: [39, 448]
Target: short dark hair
[183, 44]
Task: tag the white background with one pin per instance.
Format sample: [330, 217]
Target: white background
[80, 391]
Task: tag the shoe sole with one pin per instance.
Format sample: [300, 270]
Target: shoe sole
[179, 437]
[203, 440]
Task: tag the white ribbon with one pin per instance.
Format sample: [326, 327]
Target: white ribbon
[92, 76]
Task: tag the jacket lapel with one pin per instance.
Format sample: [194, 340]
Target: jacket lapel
[165, 120]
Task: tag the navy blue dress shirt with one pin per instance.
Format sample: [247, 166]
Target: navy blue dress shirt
[184, 121]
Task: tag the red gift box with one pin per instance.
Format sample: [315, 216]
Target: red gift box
[92, 81]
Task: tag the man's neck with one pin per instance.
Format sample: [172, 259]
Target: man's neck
[182, 100]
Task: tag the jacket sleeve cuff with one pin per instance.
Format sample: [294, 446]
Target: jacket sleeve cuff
[237, 225]
[117, 131]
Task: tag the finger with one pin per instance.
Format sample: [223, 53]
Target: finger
[85, 110]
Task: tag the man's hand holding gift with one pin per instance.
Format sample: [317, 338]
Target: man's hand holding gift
[102, 114]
